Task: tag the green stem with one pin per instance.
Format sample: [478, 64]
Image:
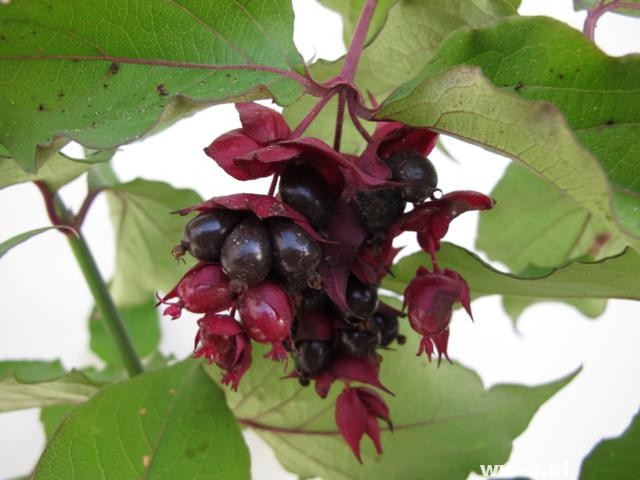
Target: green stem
[105, 305]
[60, 215]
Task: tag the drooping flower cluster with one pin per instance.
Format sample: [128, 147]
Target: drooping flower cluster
[299, 268]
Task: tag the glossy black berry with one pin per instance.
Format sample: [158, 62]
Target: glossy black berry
[204, 234]
[359, 343]
[411, 167]
[312, 357]
[388, 327]
[295, 253]
[304, 189]
[377, 210]
[247, 253]
[313, 300]
[362, 299]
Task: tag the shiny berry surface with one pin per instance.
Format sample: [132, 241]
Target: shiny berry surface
[295, 254]
[312, 356]
[247, 253]
[362, 299]
[204, 234]
[359, 343]
[304, 189]
[388, 326]
[417, 171]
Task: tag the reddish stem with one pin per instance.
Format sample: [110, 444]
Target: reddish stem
[49, 203]
[313, 113]
[84, 208]
[356, 121]
[274, 183]
[310, 85]
[337, 139]
[357, 41]
[600, 9]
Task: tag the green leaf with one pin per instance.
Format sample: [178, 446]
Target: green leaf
[52, 416]
[29, 384]
[537, 225]
[104, 77]
[615, 458]
[145, 234]
[407, 41]
[171, 423]
[23, 237]
[591, 307]
[142, 324]
[57, 172]
[445, 423]
[613, 277]
[539, 59]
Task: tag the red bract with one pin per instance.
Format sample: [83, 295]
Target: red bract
[267, 314]
[315, 326]
[263, 206]
[203, 289]
[346, 367]
[224, 342]
[262, 147]
[261, 126]
[430, 298]
[392, 137]
[347, 235]
[357, 414]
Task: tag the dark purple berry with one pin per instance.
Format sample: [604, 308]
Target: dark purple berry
[377, 210]
[362, 299]
[304, 189]
[388, 327]
[313, 300]
[359, 343]
[312, 357]
[295, 253]
[416, 170]
[247, 253]
[204, 234]
[304, 382]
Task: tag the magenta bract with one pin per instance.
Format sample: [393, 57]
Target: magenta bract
[262, 147]
[263, 206]
[203, 289]
[392, 137]
[267, 314]
[357, 413]
[430, 298]
[224, 342]
[346, 367]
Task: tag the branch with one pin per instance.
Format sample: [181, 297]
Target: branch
[313, 113]
[357, 41]
[600, 9]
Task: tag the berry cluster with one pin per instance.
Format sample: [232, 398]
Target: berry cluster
[300, 267]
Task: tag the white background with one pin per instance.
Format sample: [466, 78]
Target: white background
[45, 301]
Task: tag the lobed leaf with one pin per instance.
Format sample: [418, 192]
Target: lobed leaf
[615, 458]
[23, 237]
[537, 227]
[145, 234]
[29, 384]
[445, 423]
[613, 277]
[539, 59]
[171, 423]
[105, 76]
